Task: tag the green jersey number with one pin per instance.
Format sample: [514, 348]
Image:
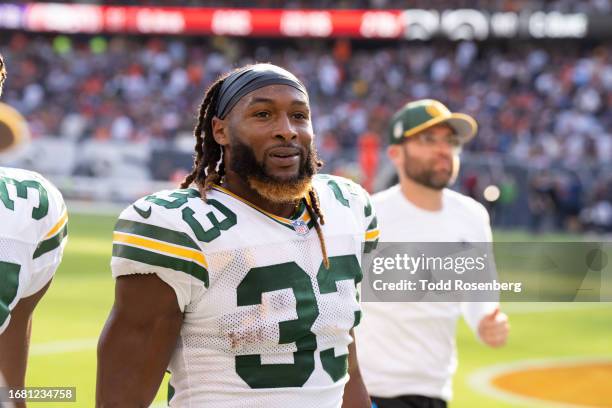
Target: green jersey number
[290, 276]
[9, 281]
[22, 192]
[180, 199]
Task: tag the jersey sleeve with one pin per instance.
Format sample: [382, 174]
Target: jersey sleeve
[149, 239]
[49, 251]
[355, 197]
[361, 204]
[33, 239]
[372, 232]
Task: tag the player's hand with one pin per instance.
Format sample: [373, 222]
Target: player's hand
[493, 328]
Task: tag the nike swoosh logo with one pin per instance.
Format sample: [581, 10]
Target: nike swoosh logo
[142, 213]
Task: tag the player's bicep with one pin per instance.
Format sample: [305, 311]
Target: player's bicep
[137, 341]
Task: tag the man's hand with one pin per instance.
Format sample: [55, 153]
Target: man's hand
[493, 328]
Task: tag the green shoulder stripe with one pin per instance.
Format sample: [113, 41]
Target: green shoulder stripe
[155, 259]
[51, 243]
[367, 210]
[369, 246]
[155, 232]
[9, 281]
[373, 224]
[338, 193]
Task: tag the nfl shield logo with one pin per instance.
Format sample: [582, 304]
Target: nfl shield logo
[300, 227]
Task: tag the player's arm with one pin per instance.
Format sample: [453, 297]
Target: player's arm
[15, 341]
[355, 393]
[137, 341]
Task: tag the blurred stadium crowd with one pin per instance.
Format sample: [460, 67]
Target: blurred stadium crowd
[539, 105]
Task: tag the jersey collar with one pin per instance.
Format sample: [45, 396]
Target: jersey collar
[300, 214]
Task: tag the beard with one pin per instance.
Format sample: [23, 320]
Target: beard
[276, 189]
[423, 172]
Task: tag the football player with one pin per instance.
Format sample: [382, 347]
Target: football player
[32, 239]
[244, 286]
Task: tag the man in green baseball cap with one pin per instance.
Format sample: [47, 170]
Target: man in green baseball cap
[425, 140]
[407, 349]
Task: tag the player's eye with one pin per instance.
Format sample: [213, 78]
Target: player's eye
[300, 115]
[262, 114]
[426, 138]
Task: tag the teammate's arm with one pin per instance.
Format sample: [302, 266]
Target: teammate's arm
[137, 341]
[15, 341]
[355, 393]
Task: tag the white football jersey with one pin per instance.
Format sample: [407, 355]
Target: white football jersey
[265, 323]
[33, 233]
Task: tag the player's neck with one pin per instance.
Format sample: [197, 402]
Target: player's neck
[421, 196]
[241, 188]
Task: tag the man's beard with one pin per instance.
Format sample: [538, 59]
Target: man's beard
[275, 189]
[424, 174]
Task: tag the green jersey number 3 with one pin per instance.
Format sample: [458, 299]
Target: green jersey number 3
[290, 276]
[180, 199]
[22, 192]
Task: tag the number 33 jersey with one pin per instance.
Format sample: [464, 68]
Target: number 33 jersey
[33, 228]
[265, 323]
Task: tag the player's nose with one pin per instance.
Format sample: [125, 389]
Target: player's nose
[284, 128]
[443, 149]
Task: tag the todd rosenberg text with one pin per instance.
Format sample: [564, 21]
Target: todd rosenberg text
[446, 285]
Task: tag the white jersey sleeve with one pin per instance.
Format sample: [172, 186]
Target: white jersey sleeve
[151, 238]
[352, 195]
[33, 236]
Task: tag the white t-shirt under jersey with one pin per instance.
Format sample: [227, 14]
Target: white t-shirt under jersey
[409, 348]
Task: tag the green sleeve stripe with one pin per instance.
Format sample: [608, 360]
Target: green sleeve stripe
[155, 232]
[51, 243]
[369, 246]
[155, 259]
[171, 392]
[9, 283]
[367, 210]
[373, 224]
[338, 193]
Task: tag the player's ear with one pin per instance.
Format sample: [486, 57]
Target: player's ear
[394, 152]
[219, 130]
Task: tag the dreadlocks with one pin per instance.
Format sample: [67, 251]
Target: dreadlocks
[2, 73]
[209, 162]
[206, 170]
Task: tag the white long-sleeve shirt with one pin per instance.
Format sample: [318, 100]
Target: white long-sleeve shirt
[409, 348]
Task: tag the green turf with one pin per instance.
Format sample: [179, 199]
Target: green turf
[71, 315]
